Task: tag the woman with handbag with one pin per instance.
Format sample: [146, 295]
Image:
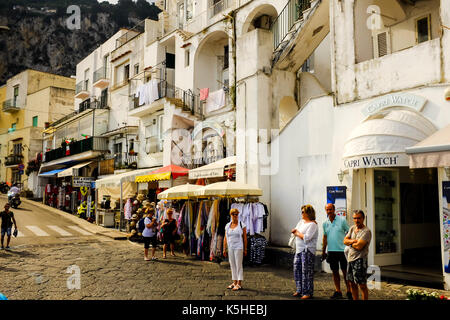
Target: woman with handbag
[169, 232]
[236, 241]
[306, 234]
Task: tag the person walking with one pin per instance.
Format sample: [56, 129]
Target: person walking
[149, 234]
[169, 227]
[335, 229]
[358, 239]
[306, 234]
[7, 223]
[235, 241]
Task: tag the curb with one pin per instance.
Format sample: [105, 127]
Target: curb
[93, 228]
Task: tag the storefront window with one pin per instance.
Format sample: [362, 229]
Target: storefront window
[386, 211]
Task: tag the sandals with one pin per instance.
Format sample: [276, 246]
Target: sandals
[237, 287]
[296, 294]
[231, 286]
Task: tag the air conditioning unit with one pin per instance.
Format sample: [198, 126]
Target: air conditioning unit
[263, 22]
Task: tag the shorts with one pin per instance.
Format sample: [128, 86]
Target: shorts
[7, 231]
[168, 238]
[357, 271]
[336, 258]
[150, 240]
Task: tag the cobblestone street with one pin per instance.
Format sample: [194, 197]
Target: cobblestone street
[116, 270]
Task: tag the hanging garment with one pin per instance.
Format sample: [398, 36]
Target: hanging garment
[152, 91]
[141, 93]
[204, 93]
[215, 101]
[127, 210]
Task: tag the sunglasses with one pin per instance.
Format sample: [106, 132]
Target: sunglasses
[235, 214]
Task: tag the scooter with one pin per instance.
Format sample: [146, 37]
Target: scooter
[14, 200]
[4, 188]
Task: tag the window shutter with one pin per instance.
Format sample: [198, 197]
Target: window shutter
[382, 44]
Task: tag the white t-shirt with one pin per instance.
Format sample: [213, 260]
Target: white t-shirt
[148, 232]
[310, 231]
[235, 240]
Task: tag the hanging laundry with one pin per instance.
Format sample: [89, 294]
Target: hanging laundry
[204, 93]
[215, 101]
[141, 93]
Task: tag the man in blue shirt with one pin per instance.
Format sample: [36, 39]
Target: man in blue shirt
[334, 230]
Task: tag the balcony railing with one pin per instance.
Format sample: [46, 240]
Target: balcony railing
[93, 104]
[13, 159]
[185, 99]
[90, 144]
[216, 7]
[283, 24]
[100, 74]
[132, 33]
[10, 105]
[125, 160]
[81, 86]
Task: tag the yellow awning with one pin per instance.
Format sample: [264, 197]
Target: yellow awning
[154, 177]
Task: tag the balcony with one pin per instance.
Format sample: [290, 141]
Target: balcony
[13, 160]
[10, 106]
[215, 7]
[90, 144]
[125, 160]
[101, 79]
[298, 31]
[82, 90]
[184, 99]
[93, 104]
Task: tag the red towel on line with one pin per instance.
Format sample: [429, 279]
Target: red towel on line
[204, 93]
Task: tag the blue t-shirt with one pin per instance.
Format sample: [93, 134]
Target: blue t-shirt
[335, 232]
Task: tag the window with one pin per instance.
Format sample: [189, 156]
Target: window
[17, 148]
[35, 121]
[126, 72]
[136, 68]
[381, 44]
[16, 94]
[225, 57]
[189, 9]
[423, 29]
[186, 58]
[86, 79]
[13, 126]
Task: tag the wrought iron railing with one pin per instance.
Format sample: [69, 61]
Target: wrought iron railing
[10, 105]
[130, 34]
[188, 100]
[89, 144]
[216, 7]
[292, 12]
[13, 159]
[125, 160]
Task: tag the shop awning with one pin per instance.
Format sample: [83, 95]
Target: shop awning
[71, 171]
[432, 152]
[117, 179]
[212, 170]
[381, 140]
[228, 189]
[184, 191]
[164, 173]
[51, 173]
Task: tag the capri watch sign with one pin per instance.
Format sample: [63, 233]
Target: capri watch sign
[395, 100]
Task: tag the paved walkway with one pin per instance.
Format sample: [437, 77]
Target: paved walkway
[116, 270]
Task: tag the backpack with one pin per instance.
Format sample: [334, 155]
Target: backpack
[141, 225]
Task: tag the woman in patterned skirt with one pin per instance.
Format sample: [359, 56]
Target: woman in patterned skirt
[306, 234]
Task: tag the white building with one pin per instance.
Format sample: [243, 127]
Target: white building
[389, 72]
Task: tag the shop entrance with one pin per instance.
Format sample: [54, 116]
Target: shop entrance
[407, 223]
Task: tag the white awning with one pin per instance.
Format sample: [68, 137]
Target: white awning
[71, 171]
[117, 179]
[381, 140]
[212, 170]
[432, 152]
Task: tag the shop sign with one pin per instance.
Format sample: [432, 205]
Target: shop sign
[395, 100]
[83, 181]
[165, 184]
[338, 197]
[377, 160]
[446, 224]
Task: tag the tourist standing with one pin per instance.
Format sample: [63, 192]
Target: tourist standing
[7, 223]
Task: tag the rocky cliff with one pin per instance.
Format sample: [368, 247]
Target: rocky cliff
[39, 37]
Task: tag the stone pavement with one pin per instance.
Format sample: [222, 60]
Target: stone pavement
[116, 270]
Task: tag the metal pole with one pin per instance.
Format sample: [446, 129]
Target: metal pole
[121, 207]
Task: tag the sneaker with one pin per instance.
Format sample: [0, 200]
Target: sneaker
[154, 258]
[336, 295]
[349, 295]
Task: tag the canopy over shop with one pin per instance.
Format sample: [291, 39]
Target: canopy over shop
[216, 169]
